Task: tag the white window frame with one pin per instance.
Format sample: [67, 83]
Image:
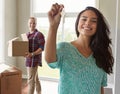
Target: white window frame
[68, 14]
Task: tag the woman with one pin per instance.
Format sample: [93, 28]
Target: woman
[85, 62]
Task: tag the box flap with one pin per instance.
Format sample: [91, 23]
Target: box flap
[3, 67]
[24, 37]
[14, 39]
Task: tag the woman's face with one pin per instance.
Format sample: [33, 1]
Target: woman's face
[87, 23]
[32, 24]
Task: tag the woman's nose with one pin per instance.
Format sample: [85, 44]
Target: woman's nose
[87, 22]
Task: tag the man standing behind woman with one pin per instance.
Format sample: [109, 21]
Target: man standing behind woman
[34, 56]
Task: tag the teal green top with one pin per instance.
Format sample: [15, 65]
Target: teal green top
[78, 74]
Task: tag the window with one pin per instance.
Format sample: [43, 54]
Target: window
[66, 31]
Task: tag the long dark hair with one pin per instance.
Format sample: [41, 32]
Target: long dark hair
[100, 41]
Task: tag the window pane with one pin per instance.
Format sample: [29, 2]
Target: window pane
[69, 29]
[43, 6]
[45, 70]
[43, 25]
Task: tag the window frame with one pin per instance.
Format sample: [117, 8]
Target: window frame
[68, 14]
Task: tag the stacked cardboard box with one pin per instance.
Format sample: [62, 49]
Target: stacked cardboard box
[10, 80]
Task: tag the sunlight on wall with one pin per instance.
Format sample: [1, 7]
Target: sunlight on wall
[1, 32]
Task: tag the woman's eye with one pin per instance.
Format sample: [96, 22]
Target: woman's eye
[95, 21]
[84, 19]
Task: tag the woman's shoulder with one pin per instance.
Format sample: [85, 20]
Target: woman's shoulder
[64, 45]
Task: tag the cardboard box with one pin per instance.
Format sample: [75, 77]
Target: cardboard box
[17, 47]
[10, 80]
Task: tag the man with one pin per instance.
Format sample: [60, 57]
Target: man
[34, 56]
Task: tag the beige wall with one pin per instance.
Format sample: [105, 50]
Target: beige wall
[111, 9]
[23, 14]
[10, 26]
[107, 7]
[117, 52]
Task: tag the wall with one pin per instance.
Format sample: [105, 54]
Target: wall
[2, 31]
[117, 52]
[111, 9]
[10, 27]
[110, 16]
[23, 12]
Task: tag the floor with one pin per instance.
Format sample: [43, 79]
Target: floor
[51, 87]
[47, 86]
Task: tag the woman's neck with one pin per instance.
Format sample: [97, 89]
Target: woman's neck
[84, 42]
[83, 47]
